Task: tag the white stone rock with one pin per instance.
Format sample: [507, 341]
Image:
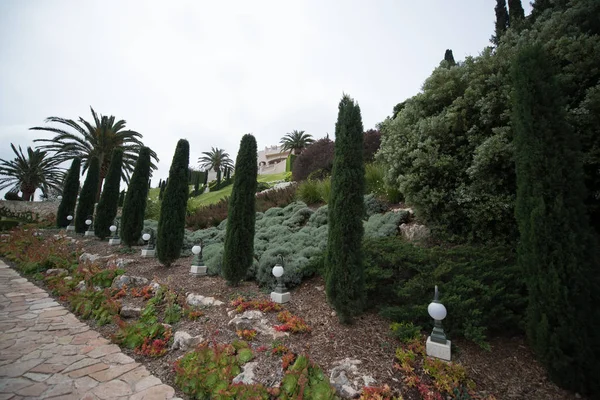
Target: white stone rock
[247, 375]
[197, 300]
[57, 272]
[87, 257]
[184, 341]
[130, 312]
[130, 281]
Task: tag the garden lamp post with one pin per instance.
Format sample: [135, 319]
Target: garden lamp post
[437, 344]
[90, 231]
[279, 295]
[114, 228]
[198, 268]
[149, 239]
[70, 227]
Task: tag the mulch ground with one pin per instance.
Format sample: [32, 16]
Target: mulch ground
[509, 371]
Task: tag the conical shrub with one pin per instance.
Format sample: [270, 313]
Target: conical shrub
[109, 199]
[87, 197]
[69, 194]
[134, 206]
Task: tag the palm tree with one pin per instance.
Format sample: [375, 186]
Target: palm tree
[94, 140]
[217, 160]
[28, 173]
[296, 141]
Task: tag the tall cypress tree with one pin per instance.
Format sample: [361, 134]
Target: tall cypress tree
[132, 215]
[171, 224]
[87, 197]
[517, 13]
[501, 21]
[449, 57]
[121, 198]
[241, 215]
[344, 260]
[69, 194]
[109, 199]
[557, 250]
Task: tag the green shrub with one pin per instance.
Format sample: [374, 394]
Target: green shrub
[405, 331]
[239, 240]
[136, 197]
[87, 197]
[309, 191]
[480, 286]
[373, 205]
[171, 223]
[109, 199]
[69, 194]
[381, 225]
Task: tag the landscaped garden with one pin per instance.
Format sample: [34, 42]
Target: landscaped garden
[484, 185]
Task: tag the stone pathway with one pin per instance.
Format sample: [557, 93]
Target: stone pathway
[47, 353]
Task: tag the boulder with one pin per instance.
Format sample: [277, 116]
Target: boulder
[184, 341]
[247, 375]
[197, 300]
[130, 312]
[119, 262]
[347, 379]
[57, 272]
[87, 257]
[130, 281]
[253, 319]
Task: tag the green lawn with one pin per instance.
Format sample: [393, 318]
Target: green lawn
[214, 197]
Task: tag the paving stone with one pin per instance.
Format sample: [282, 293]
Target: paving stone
[12, 385]
[160, 392]
[104, 350]
[19, 368]
[88, 370]
[117, 358]
[34, 390]
[112, 389]
[85, 383]
[36, 376]
[61, 390]
[114, 371]
[135, 375]
[48, 368]
[147, 382]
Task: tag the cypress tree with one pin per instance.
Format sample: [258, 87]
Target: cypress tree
[171, 224]
[132, 216]
[205, 178]
[122, 198]
[238, 254]
[87, 197]
[345, 281]
[197, 185]
[109, 199]
[517, 13]
[449, 57]
[501, 21]
[557, 250]
[162, 190]
[69, 194]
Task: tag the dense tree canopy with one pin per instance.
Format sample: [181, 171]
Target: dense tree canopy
[450, 148]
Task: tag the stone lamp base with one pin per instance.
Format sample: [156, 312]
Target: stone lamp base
[438, 350]
[198, 270]
[113, 242]
[280, 298]
[70, 227]
[148, 253]
[88, 233]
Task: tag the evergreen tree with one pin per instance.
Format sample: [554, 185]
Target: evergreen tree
[134, 207]
[109, 199]
[197, 185]
[87, 197]
[122, 198]
[171, 224]
[501, 21]
[205, 177]
[517, 13]
[69, 194]
[239, 236]
[557, 250]
[449, 58]
[343, 263]
[161, 192]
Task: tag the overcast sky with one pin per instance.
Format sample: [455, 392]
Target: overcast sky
[211, 71]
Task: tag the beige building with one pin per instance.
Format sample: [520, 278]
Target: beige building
[271, 160]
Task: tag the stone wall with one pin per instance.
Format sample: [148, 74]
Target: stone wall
[42, 208]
